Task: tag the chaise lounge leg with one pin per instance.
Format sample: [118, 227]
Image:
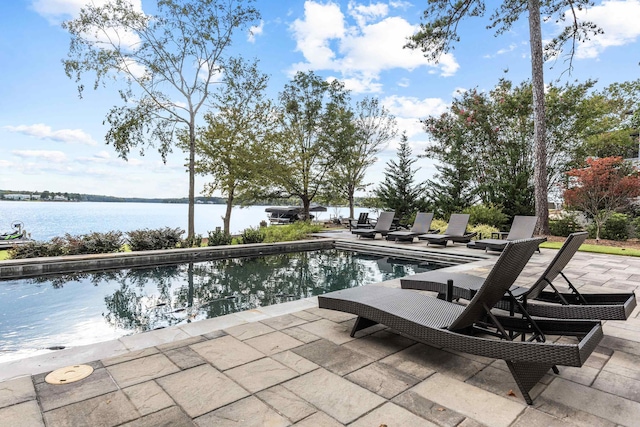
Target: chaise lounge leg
[527, 375]
[361, 323]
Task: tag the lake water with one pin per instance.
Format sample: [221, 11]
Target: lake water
[45, 220]
[86, 308]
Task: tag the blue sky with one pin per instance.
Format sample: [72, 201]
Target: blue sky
[52, 140]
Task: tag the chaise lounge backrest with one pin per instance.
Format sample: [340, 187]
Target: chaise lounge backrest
[422, 222]
[522, 227]
[457, 225]
[559, 262]
[504, 273]
[384, 221]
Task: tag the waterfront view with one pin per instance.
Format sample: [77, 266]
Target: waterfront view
[47, 220]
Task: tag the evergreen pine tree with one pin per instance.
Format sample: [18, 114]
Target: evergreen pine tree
[398, 192]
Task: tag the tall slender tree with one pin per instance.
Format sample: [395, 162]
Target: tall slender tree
[232, 147]
[373, 128]
[399, 192]
[440, 30]
[167, 63]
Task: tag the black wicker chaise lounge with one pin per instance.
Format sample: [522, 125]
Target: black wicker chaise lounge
[522, 227]
[382, 227]
[456, 232]
[361, 222]
[474, 328]
[421, 225]
[572, 305]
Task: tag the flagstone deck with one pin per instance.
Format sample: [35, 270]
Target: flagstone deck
[295, 364]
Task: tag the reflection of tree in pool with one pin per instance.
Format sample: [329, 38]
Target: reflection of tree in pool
[94, 278]
[149, 298]
[135, 307]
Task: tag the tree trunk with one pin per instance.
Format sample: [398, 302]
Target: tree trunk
[351, 206]
[192, 178]
[226, 219]
[539, 117]
[305, 208]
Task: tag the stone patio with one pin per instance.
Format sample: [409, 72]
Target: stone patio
[295, 364]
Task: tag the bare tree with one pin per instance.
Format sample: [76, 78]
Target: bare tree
[166, 61]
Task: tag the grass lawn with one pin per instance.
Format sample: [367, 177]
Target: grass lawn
[4, 255]
[599, 249]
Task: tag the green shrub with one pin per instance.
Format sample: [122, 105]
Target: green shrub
[252, 235]
[616, 227]
[94, 243]
[194, 242]
[564, 225]
[290, 232]
[161, 238]
[484, 231]
[54, 247]
[218, 238]
[636, 226]
[486, 214]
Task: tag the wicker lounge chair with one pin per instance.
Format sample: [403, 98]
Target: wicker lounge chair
[383, 225]
[474, 328]
[573, 305]
[521, 228]
[361, 222]
[456, 232]
[420, 226]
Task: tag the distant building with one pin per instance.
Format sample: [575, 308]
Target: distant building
[16, 196]
[59, 199]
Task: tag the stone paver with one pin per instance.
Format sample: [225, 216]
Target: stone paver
[25, 414]
[201, 389]
[273, 342]
[295, 362]
[604, 405]
[339, 398]
[143, 369]
[428, 409]
[338, 333]
[382, 379]
[249, 412]
[108, 410]
[170, 417]
[260, 374]
[469, 400]
[335, 358]
[249, 330]
[16, 391]
[286, 403]
[227, 352]
[148, 397]
[390, 414]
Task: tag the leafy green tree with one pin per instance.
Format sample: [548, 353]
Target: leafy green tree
[373, 128]
[167, 63]
[398, 192]
[314, 126]
[453, 188]
[440, 30]
[231, 148]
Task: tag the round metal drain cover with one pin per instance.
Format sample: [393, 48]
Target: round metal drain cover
[69, 374]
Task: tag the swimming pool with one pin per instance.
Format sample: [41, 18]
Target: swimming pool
[52, 312]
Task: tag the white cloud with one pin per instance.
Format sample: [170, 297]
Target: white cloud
[360, 52]
[49, 156]
[410, 110]
[255, 31]
[619, 21]
[42, 131]
[502, 51]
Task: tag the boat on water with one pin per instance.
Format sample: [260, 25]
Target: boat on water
[17, 236]
[290, 214]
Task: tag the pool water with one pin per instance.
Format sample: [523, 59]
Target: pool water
[51, 312]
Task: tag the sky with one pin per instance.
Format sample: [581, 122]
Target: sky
[52, 140]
